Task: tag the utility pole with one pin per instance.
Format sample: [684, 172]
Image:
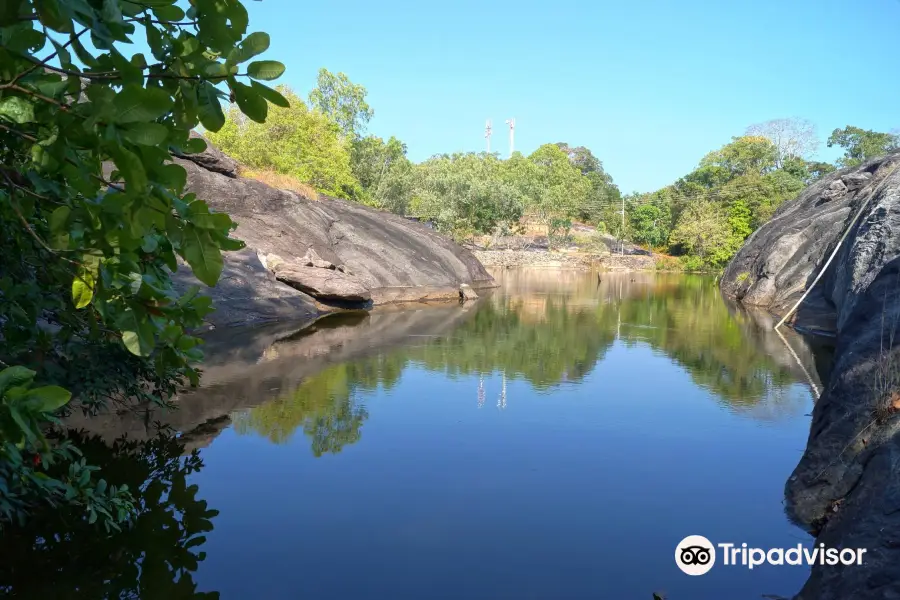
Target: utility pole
[487, 134]
[512, 135]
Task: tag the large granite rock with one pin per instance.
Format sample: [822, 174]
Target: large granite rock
[846, 488]
[392, 258]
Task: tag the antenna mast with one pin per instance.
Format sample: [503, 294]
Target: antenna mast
[512, 135]
[487, 134]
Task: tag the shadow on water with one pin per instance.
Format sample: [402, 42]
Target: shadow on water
[57, 554]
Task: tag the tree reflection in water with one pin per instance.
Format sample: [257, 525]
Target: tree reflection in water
[58, 554]
[549, 328]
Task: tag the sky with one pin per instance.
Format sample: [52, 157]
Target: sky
[650, 86]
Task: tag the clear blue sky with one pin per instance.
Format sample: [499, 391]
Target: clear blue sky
[649, 85]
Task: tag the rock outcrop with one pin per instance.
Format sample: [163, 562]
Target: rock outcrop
[320, 249]
[846, 488]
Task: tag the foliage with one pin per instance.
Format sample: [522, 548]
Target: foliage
[558, 231]
[703, 230]
[384, 173]
[343, 102]
[293, 140]
[706, 215]
[323, 406]
[862, 144]
[651, 220]
[153, 558]
[86, 252]
[465, 194]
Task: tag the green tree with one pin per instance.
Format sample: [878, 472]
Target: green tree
[293, 141]
[555, 188]
[86, 252]
[862, 144]
[384, 172]
[465, 194]
[342, 101]
[603, 191]
[703, 230]
[651, 220]
[744, 156]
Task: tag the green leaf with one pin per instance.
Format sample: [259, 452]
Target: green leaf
[135, 103]
[137, 332]
[20, 421]
[59, 218]
[49, 398]
[51, 15]
[17, 109]
[217, 221]
[81, 52]
[15, 376]
[146, 134]
[202, 254]
[132, 170]
[194, 146]
[253, 44]
[250, 102]
[265, 69]
[269, 94]
[9, 12]
[83, 289]
[168, 13]
[210, 110]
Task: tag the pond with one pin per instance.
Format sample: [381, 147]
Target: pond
[555, 439]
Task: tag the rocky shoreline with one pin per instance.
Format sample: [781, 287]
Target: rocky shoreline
[846, 488]
[565, 260]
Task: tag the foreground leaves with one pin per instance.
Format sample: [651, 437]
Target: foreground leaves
[93, 213]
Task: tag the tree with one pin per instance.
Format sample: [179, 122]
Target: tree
[862, 144]
[342, 101]
[603, 191]
[86, 254]
[744, 156]
[383, 171]
[793, 138]
[555, 187]
[465, 194]
[703, 230]
[293, 141]
[650, 220]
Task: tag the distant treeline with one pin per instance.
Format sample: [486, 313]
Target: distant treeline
[703, 217]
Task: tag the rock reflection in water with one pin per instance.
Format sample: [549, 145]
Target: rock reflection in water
[545, 327]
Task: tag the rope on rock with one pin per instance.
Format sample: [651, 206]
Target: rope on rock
[838, 247]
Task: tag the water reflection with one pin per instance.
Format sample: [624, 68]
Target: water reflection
[57, 554]
[547, 328]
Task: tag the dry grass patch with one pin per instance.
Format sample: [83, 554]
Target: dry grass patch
[280, 181]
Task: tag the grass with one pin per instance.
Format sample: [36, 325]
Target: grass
[281, 182]
[742, 277]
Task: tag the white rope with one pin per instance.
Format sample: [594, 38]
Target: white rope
[836, 248]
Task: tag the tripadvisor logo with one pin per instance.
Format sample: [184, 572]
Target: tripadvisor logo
[696, 555]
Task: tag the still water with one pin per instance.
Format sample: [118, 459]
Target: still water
[556, 439]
